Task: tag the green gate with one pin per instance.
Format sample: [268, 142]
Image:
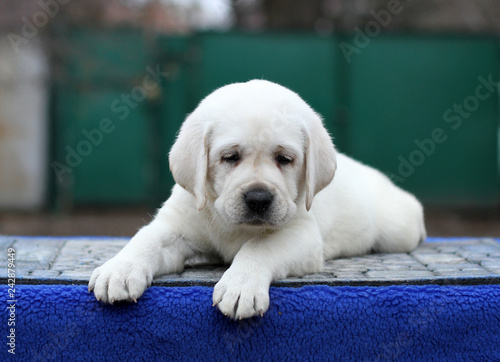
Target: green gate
[103, 123]
[422, 109]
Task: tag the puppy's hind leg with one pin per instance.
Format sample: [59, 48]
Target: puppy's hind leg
[402, 232]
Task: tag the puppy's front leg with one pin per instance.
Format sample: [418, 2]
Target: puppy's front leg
[243, 290]
[153, 251]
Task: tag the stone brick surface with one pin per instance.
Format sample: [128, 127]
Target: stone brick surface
[72, 260]
[86, 254]
[32, 253]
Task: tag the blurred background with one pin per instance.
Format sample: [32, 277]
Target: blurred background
[93, 92]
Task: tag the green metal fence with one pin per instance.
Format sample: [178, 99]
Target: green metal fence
[422, 109]
[415, 112]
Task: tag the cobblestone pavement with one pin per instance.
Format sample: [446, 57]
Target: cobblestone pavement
[47, 260]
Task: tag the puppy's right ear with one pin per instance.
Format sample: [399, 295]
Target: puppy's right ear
[188, 159]
[320, 160]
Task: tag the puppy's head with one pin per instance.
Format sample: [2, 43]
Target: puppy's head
[255, 152]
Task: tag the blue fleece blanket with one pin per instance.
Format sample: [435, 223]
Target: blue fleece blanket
[66, 323]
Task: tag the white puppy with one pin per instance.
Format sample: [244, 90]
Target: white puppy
[248, 162]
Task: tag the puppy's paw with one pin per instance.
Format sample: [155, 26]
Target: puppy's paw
[120, 279]
[240, 294]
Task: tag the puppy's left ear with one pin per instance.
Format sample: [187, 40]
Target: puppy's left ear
[320, 159]
[188, 159]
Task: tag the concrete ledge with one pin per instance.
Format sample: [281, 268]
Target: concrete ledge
[370, 308]
[442, 261]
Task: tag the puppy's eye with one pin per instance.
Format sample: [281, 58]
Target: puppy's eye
[284, 160]
[231, 157]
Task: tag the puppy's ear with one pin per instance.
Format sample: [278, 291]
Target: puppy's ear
[188, 159]
[320, 160]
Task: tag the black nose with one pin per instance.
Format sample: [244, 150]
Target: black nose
[258, 200]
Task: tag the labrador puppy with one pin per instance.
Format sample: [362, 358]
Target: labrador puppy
[260, 185]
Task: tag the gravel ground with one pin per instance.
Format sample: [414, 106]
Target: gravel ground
[125, 222]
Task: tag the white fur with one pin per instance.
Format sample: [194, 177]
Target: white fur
[262, 123]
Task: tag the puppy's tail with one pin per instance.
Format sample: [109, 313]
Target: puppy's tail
[423, 232]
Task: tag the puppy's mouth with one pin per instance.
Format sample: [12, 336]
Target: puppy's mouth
[255, 221]
[255, 209]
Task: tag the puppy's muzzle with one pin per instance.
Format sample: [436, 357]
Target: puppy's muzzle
[258, 200]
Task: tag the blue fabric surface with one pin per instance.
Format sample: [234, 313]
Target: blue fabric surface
[310, 323]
